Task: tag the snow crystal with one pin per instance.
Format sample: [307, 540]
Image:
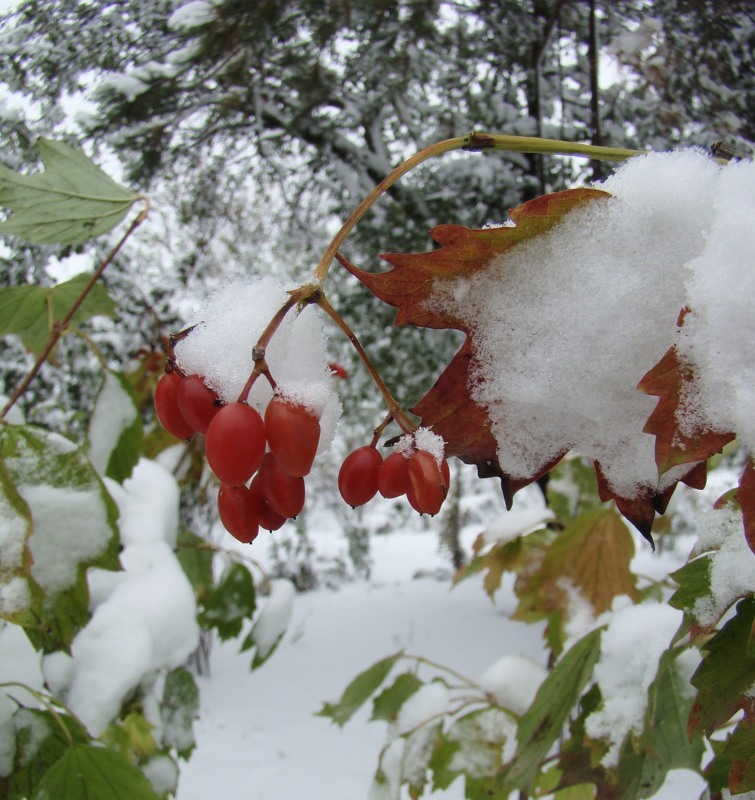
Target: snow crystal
[567, 323]
[513, 681]
[732, 571]
[81, 515]
[425, 439]
[220, 348]
[113, 414]
[145, 620]
[272, 621]
[631, 647]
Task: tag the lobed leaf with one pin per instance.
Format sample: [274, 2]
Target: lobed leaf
[388, 703]
[30, 312]
[71, 202]
[726, 674]
[74, 527]
[673, 447]
[448, 407]
[88, 771]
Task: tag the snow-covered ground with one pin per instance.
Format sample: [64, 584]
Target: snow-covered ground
[258, 735]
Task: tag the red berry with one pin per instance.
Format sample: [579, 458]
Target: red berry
[358, 476]
[393, 475]
[237, 512]
[166, 407]
[283, 492]
[269, 520]
[197, 402]
[428, 484]
[235, 443]
[293, 433]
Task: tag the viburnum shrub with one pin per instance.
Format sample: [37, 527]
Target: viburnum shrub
[608, 344]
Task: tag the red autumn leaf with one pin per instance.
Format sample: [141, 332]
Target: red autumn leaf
[745, 496]
[673, 446]
[448, 407]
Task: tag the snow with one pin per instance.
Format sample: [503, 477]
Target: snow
[113, 414]
[592, 305]
[631, 645]
[144, 618]
[82, 515]
[229, 326]
[191, 15]
[274, 617]
[513, 680]
[732, 571]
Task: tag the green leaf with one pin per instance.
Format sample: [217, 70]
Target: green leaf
[86, 772]
[40, 741]
[359, 690]
[132, 735]
[29, 312]
[115, 429]
[669, 704]
[74, 528]
[179, 709]
[387, 704]
[726, 674]
[542, 723]
[196, 559]
[230, 603]
[693, 580]
[740, 749]
[71, 202]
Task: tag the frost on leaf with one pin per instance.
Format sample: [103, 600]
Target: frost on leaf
[412, 284]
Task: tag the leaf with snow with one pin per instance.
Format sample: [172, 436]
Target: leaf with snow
[30, 312]
[71, 202]
[231, 603]
[543, 722]
[272, 621]
[89, 771]
[726, 675]
[115, 429]
[388, 703]
[74, 528]
[179, 709]
[42, 738]
[448, 408]
[356, 694]
[673, 446]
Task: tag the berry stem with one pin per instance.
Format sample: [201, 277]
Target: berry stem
[59, 327]
[303, 296]
[472, 142]
[395, 412]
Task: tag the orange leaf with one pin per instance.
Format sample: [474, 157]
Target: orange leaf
[412, 281]
[666, 380]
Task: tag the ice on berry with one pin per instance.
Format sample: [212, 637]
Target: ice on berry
[220, 349]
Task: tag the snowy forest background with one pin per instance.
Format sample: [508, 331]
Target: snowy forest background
[255, 129]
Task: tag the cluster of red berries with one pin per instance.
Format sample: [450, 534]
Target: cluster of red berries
[261, 463]
[413, 472]
[275, 453]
